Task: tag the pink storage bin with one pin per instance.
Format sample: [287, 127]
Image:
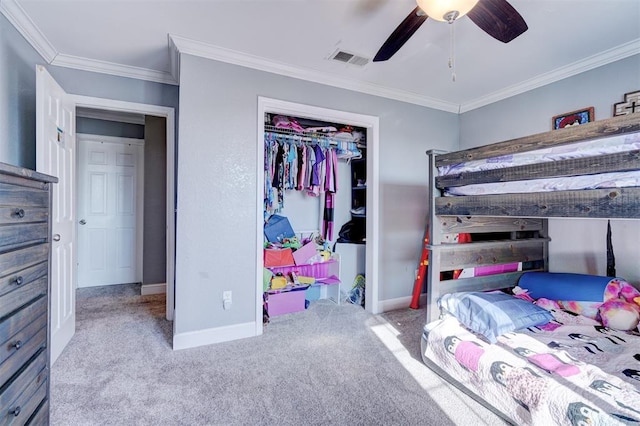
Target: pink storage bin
[495, 269]
[316, 270]
[285, 303]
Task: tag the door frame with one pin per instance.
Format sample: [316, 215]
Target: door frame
[88, 137]
[371, 123]
[169, 114]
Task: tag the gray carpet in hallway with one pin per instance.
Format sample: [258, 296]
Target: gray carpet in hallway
[327, 365]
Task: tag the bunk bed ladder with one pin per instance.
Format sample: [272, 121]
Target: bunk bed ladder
[498, 244]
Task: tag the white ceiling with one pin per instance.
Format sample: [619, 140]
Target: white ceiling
[295, 37]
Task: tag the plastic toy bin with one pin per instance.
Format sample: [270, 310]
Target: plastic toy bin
[312, 293]
[316, 270]
[285, 303]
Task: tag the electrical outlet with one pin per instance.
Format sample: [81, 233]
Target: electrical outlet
[226, 300]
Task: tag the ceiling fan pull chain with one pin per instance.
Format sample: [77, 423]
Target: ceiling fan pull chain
[452, 56]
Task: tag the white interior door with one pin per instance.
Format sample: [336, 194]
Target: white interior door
[55, 155]
[109, 210]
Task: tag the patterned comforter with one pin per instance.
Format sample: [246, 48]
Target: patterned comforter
[572, 371]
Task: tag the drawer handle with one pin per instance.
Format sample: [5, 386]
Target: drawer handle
[16, 411]
[18, 280]
[19, 213]
[17, 344]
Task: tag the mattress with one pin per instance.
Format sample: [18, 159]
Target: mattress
[591, 148]
[572, 372]
[570, 183]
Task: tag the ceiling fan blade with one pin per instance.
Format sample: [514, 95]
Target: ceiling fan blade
[401, 34]
[498, 19]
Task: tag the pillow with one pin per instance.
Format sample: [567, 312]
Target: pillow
[565, 286]
[619, 314]
[493, 314]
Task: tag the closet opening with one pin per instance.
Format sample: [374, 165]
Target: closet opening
[318, 195]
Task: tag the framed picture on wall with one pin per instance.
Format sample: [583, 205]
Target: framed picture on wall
[573, 118]
[630, 105]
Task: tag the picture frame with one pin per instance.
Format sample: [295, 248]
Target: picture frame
[573, 118]
[630, 105]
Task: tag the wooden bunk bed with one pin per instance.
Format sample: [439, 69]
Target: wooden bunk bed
[512, 227]
[521, 217]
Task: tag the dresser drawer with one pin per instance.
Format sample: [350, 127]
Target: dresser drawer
[25, 245]
[16, 360]
[10, 215]
[41, 416]
[22, 295]
[10, 326]
[14, 344]
[25, 406]
[14, 236]
[23, 196]
[20, 278]
[29, 379]
[16, 260]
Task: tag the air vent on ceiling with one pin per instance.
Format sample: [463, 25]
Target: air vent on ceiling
[349, 58]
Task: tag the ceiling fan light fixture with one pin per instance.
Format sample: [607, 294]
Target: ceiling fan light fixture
[446, 10]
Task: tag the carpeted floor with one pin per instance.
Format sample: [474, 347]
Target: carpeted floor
[327, 365]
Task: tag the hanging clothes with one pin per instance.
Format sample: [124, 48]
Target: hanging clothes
[330, 187]
[316, 173]
[327, 219]
[331, 177]
[294, 163]
[302, 167]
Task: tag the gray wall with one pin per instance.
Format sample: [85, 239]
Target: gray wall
[18, 124]
[18, 85]
[93, 126]
[578, 245]
[17, 97]
[217, 167]
[531, 112]
[155, 200]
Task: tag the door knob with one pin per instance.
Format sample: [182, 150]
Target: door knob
[83, 222]
[56, 237]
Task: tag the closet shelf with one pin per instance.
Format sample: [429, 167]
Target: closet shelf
[308, 137]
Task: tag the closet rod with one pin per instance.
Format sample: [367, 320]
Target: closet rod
[311, 137]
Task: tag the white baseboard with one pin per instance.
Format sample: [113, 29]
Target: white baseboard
[192, 339]
[147, 289]
[399, 303]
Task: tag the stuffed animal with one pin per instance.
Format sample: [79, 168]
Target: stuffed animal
[619, 314]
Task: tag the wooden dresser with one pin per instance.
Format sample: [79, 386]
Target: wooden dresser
[25, 244]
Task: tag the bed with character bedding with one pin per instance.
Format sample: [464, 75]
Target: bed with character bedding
[544, 364]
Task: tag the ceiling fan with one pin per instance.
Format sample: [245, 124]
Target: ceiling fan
[495, 17]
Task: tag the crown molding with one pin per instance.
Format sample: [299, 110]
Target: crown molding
[608, 56]
[177, 45]
[111, 68]
[174, 59]
[208, 51]
[28, 29]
